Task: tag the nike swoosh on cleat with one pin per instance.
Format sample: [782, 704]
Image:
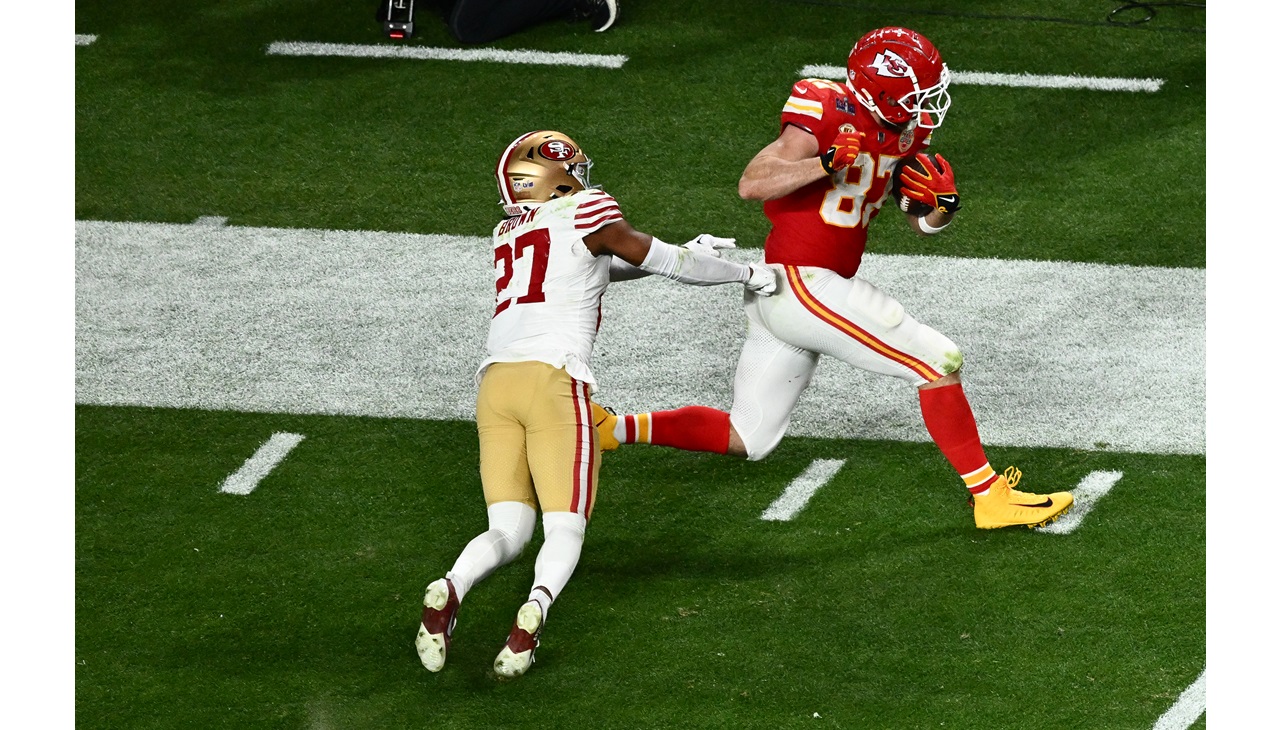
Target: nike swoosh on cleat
[1046, 503]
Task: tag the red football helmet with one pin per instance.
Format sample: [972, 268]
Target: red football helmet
[899, 76]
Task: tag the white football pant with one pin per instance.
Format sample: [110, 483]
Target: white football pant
[816, 311]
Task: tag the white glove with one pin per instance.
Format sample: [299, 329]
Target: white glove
[763, 281]
[709, 245]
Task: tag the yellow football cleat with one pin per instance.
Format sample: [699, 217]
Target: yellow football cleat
[1004, 506]
[604, 420]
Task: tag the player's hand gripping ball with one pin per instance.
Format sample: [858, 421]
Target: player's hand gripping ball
[923, 183]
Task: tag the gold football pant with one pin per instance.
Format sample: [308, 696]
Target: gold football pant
[537, 441]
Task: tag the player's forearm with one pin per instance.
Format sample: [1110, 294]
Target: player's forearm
[767, 177]
[687, 267]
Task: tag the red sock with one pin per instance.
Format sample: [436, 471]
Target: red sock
[692, 428]
[950, 421]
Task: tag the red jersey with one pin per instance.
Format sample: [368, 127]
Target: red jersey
[825, 222]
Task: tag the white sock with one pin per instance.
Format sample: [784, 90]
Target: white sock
[510, 529]
[563, 533]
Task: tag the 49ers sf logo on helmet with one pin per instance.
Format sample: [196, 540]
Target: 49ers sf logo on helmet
[557, 150]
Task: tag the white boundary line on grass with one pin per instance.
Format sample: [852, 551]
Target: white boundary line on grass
[84, 40]
[982, 78]
[1091, 489]
[243, 318]
[1190, 706]
[801, 490]
[352, 50]
[258, 466]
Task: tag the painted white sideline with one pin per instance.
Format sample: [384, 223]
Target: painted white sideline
[1190, 706]
[496, 55]
[84, 40]
[258, 466]
[214, 221]
[380, 324]
[982, 78]
[1091, 489]
[801, 489]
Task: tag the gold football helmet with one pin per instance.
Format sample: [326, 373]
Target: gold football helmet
[540, 166]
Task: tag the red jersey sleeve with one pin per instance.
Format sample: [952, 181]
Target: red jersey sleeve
[819, 107]
[803, 107]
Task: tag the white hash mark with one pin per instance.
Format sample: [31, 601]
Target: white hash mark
[801, 489]
[1087, 493]
[256, 467]
[1189, 707]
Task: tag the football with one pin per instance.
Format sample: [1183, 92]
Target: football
[907, 205]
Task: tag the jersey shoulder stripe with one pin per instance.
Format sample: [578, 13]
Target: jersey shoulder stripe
[806, 107]
[596, 210]
[809, 101]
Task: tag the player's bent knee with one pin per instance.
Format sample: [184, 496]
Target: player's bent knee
[570, 522]
[952, 361]
[756, 443]
[757, 451]
[515, 521]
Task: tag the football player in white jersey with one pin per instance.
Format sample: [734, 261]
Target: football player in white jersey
[561, 243]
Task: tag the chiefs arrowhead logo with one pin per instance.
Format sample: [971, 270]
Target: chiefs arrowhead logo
[557, 150]
[888, 63]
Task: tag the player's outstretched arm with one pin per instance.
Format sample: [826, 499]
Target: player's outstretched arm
[786, 164]
[679, 264]
[703, 243]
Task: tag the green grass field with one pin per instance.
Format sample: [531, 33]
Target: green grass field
[878, 606]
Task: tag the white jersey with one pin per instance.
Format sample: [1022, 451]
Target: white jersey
[549, 285]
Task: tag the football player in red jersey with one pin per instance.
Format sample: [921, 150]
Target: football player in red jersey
[822, 181]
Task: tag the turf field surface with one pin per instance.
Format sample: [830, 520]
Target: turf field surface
[876, 605]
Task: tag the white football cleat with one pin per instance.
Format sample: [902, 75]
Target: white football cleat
[517, 656]
[439, 614]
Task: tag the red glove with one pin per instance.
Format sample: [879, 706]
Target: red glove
[935, 186]
[844, 148]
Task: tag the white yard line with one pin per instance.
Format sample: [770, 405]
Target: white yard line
[258, 466]
[982, 78]
[1189, 707]
[1091, 489]
[495, 55]
[801, 490]
[84, 40]
[214, 221]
